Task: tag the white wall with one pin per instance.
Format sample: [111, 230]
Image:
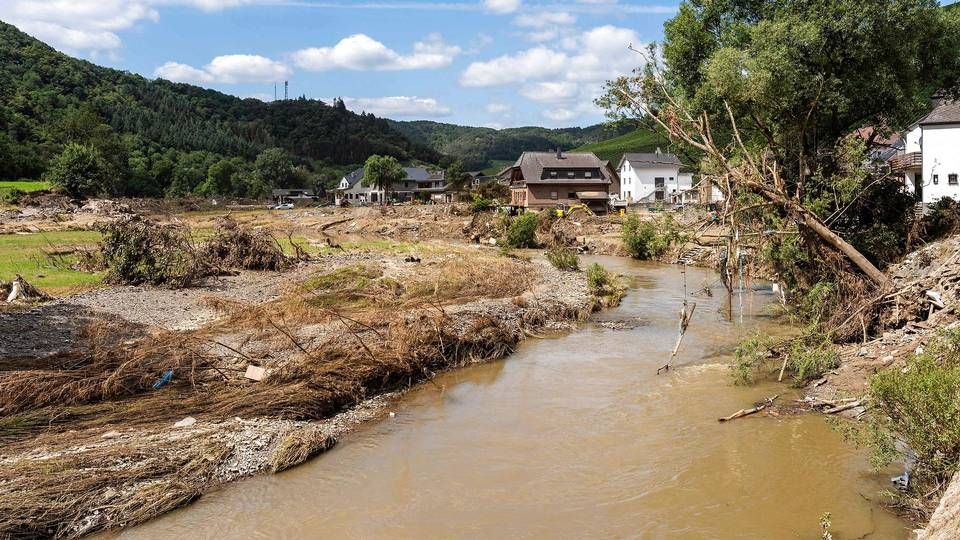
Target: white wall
[638, 184]
[913, 140]
[941, 158]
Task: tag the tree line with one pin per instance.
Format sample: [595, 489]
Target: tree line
[60, 115]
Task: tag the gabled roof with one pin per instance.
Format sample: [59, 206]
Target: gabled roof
[945, 113]
[650, 161]
[533, 164]
[353, 177]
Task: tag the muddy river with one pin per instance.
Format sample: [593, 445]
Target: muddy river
[575, 436]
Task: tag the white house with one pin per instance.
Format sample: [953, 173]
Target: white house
[648, 178]
[930, 157]
[419, 181]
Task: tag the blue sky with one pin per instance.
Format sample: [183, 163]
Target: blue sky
[496, 63]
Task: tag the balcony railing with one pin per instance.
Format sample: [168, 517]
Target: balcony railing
[907, 162]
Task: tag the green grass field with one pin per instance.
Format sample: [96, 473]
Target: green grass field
[26, 186]
[44, 259]
[613, 149]
[496, 166]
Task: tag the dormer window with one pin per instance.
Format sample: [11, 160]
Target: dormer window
[588, 174]
[570, 174]
[553, 174]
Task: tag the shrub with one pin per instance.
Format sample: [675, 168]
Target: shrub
[649, 239]
[810, 357]
[603, 285]
[563, 259]
[920, 406]
[80, 170]
[750, 357]
[943, 219]
[480, 204]
[238, 246]
[522, 231]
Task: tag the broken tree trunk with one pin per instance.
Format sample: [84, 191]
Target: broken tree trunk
[747, 412]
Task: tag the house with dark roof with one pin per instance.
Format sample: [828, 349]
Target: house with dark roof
[419, 182]
[656, 177]
[549, 179]
[928, 159]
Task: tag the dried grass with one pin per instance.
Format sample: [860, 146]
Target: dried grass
[300, 446]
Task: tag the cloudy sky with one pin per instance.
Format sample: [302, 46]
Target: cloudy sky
[497, 63]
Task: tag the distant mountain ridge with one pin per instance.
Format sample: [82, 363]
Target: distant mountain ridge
[39, 86]
[480, 147]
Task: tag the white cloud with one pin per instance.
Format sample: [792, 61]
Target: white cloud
[559, 115]
[550, 92]
[568, 77]
[497, 108]
[360, 52]
[397, 106]
[502, 6]
[231, 68]
[543, 19]
[91, 25]
[536, 63]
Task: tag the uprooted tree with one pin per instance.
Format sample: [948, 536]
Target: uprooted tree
[782, 104]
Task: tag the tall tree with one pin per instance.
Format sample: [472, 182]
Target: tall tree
[382, 172]
[275, 167]
[80, 170]
[456, 176]
[769, 92]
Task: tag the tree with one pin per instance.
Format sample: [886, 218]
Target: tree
[80, 170]
[768, 94]
[456, 176]
[382, 172]
[274, 167]
[219, 180]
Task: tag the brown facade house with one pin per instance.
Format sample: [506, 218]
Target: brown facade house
[548, 179]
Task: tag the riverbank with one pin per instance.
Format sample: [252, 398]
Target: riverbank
[122, 403]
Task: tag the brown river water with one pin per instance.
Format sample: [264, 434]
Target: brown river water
[575, 436]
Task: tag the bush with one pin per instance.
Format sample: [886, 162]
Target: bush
[750, 357]
[237, 246]
[604, 286]
[522, 231]
[649, 239]
[920, 406]
[598, 278]
[563, 259]
[943, 219]
[808, 357]
[480, 204]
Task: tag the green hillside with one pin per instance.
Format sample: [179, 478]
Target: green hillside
[483, 148]
[151, 137]
[641, 140]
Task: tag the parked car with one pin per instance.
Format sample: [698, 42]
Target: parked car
[284, 206]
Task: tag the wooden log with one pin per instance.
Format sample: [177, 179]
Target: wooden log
[841, 408]
[747, 412]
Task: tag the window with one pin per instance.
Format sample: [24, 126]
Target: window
[553, 195]
[570, 174]
[936, 179]
[588, 174]
[952, 179]
[571, 195]
[553, 174]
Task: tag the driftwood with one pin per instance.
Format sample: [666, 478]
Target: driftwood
[747, 412]
[841, 408]
[685, 317]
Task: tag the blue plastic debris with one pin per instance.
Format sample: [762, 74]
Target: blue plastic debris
[163, 380]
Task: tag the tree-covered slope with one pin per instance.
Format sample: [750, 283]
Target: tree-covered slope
[480, 147]
[48, 99]
[641, 140]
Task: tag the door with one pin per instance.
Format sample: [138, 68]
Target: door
[658, 188]
[918, 186]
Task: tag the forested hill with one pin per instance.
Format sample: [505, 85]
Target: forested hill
[480, 147]
[154, 134]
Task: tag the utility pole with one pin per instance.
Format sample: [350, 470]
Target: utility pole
[286, 85]
[274, 91]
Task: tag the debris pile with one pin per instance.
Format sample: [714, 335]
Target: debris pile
[236, 246]
[19, 290]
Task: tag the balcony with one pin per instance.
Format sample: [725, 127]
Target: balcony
[907, 162]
